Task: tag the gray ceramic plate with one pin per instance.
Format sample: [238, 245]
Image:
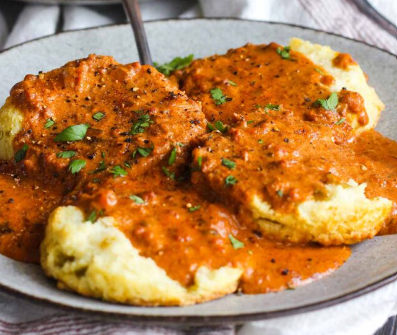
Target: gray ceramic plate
[373, 263]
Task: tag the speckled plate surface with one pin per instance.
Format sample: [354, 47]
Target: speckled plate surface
[373, 263]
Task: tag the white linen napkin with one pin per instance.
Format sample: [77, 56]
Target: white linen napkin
[33, 22]
[361, 316]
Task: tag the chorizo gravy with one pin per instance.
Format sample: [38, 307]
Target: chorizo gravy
[175, 160]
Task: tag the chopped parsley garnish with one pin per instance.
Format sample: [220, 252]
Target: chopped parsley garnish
[118, 171]
[235, 242]
[168, 173]
[179, 144]
[136, 199]
[72, 133]
[260, 141]
[232, 83]
[200, 162]
[194, 208]
[66, 154]
[177, 63]
[284, 52]
[20, 154]
[218, 96]
[101, 167]
[328, 104]
[172, 158]
[230, 180]
[218, 125]
[250, 121]
[49, 123]
[339, 122]
[273, 107]
[210, 126]
[139, 126]
[127, 164]
[142, 151]
[92, 217]
[76, 165]
[228, 163]
[98, 116]
[319, 71]
[269, 106]
[280, 193]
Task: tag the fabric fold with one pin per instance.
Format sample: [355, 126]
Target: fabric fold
[33, 22]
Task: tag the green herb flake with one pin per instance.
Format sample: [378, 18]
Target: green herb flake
[139, 126]
[320, 72]
[200, 162]
[250, 121]
[260, 141]
[49, 123]
[218, 96]
[230, 180]
[20, 154]
[177, 63]
[194, 208]
[101, 167]
[168, 173]
[143, 151]
[127, 164]
[136, 199]
[92, 217]
[273, 107]
[280, 193]
[328, 104]
[98, 116]
[284, 52]
[341, 121]
[179, 144]
[210, 127]
[76, 165]
[228, 163]
[235, 242]
[172, 158]
[66, 154]
[232, 83]
[72, 133]
[218, 125]
[118, 171]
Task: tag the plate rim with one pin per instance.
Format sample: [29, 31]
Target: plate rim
[198, 19]
[212, 319]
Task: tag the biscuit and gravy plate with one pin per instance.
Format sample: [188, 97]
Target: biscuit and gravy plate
[241, 177]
